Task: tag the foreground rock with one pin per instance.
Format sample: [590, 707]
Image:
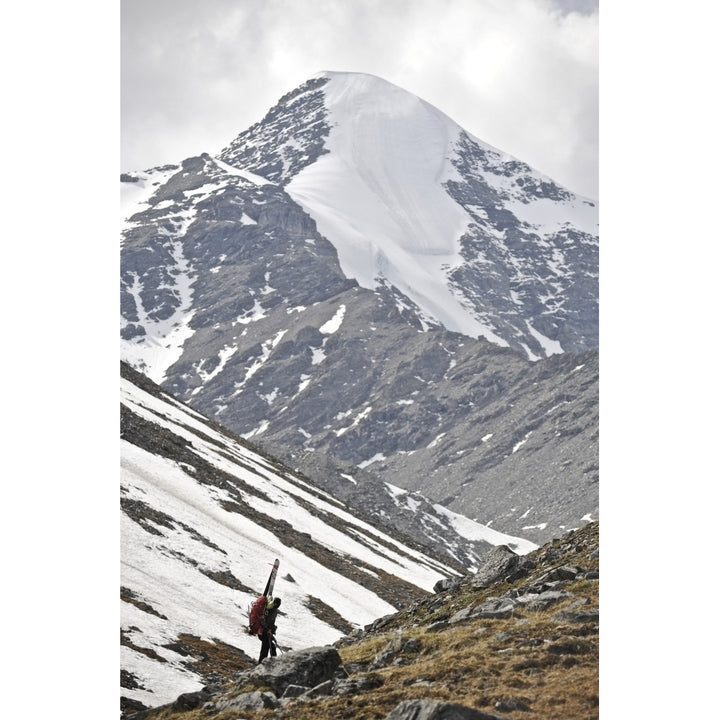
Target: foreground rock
[434, 710]
[306, 668]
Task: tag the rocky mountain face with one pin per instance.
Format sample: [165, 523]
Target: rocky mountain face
[526, 249]
[288, 290]
[204, 513]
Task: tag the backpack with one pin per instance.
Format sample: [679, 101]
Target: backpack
[257, 611]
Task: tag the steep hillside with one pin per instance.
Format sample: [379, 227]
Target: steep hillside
[517, 639]
[204, 513]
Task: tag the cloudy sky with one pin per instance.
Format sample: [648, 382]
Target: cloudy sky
[521, 75]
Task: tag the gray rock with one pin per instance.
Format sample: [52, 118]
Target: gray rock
[351, 686]
[445, 584]
[248, 701]
[308, 667]
[345, 640]
[437, 626]
[191, 700]
[353, 668]
[558, 574]
[324, 688]
[460, 615]
[380, 622]
[435, 710]
[588, 616]
[293, 691]
[501, 563]
[394, 648]
[495, 608]
[547, 598]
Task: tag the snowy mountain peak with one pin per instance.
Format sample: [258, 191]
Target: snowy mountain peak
[378, 194]
[299, 288]
[475, 240]
[391, 151]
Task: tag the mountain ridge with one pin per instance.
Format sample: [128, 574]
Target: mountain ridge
[203, 511]
[234, 300]
[387, 199]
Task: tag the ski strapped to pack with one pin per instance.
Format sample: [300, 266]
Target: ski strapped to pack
[271, 580]
[257, 609]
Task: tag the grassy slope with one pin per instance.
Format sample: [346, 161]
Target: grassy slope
[536, 664]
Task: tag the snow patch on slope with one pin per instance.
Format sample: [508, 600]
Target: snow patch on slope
[164, 564]
[377, 195]
[164, 338]
[134, 195]
[475, 531]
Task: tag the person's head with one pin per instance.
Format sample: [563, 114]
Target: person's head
[277, 602]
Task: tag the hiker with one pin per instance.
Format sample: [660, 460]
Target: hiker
[269, 628]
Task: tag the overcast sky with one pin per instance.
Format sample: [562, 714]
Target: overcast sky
[521, 75]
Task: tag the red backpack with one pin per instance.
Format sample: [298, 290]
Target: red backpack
[257, 610]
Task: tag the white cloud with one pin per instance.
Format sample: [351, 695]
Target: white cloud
[519, 74]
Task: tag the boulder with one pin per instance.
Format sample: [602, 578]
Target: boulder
[394, 648]
[547, 598]
[437, 626]
[463, 614]
[380, 622]
[501, 563]
[445, 584]
[308, 667]
[293, 691]
[435, 710]
[190, 701]
[247, 701]
[590, 616]
[324, 688]
[354, 685]
[495, 608]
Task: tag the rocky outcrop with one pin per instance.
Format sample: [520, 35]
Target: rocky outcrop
[501, 563]
[434, 710]
[246, 701]
[308, 668]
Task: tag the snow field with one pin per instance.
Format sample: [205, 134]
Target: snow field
[164, 570]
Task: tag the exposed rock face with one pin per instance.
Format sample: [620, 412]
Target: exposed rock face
[237, 304]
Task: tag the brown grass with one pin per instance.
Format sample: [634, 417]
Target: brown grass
[533, 666]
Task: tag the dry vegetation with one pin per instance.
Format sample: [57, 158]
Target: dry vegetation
[535, 665]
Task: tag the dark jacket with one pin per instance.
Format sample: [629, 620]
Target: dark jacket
[268, 619]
